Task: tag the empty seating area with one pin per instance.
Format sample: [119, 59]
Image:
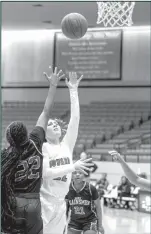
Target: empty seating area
[103, 126]
[28, 112]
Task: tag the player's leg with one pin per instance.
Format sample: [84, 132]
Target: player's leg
[74, 228]
[28, 215]
[90, 227]
[90, 232]
[34, 222]
[57, 221]
[73, 231]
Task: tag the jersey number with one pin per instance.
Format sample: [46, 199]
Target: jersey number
[64, 178]
[28, 169]
[79, 210]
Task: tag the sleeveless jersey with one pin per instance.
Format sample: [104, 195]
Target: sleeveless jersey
[28, 175]
[56, 156]
[81, 203]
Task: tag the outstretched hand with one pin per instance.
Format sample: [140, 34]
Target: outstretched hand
[54, 77]
[83, 165]
[116, 156]
[73, 80]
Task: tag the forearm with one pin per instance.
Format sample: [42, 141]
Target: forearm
[74, 100]
[72, 130]
[99, 215]
[130, 174]
[58, 171]
[49, 100]
[133, 178]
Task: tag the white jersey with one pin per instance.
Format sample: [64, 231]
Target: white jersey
[56, 156]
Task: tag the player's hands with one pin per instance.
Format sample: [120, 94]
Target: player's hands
[116, 156]
[101, 230]
[73, 80]
[54, 77]
[83, 165]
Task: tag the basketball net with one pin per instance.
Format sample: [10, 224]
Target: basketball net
[115, 13]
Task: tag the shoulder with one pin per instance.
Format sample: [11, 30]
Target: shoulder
[92, 188]
[65, 145]
[46, 149]
[37, 135]
[70, 191]
[37, 130]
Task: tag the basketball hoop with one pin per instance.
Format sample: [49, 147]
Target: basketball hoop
[115, 13]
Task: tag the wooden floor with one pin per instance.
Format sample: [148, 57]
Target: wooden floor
[125, 222]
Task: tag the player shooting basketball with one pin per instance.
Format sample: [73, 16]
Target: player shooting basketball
[132, 177]
[56, 154]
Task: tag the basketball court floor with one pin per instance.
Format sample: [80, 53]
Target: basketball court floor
[117, 221]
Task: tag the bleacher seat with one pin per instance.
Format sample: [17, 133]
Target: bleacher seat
[103, 126]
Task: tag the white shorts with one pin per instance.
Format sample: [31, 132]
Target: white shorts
[54, 216]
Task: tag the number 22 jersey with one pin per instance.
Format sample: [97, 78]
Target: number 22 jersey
[28, 174]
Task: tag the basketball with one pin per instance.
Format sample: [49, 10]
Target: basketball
[74, 25]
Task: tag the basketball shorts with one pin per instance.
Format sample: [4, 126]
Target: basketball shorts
[85, 226]
[28, 211]
[54, 216]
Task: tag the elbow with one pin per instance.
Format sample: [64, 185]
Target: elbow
[134, 180]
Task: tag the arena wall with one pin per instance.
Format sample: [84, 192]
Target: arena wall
[85, 95]
[38, 55]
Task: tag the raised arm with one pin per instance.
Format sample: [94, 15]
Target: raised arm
[130, 174]
[53, 80]
[72, 130]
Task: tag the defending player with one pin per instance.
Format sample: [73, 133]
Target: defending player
[132, 177]
[21, 171]
[57, 153]
[84, 203]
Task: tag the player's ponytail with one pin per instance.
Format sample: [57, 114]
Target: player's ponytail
[16, 135]
[9, 159]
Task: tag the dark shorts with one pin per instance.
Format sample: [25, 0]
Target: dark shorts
[85, 226]
[28, 210]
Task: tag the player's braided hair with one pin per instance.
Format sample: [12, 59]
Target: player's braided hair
[16, 135]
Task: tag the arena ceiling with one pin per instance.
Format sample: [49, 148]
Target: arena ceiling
[48, 15]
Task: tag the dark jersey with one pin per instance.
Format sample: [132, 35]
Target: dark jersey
[81, 203]
[28, 174]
